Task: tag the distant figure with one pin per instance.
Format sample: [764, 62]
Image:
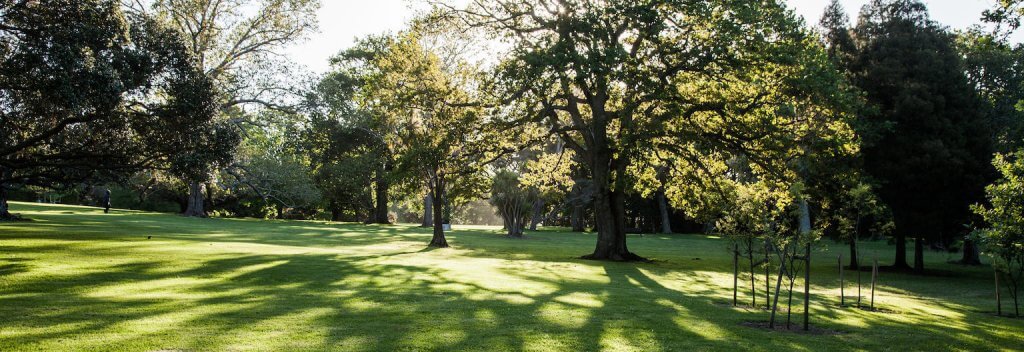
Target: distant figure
[106, 201]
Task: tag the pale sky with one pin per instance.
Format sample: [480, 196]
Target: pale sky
[341, 21]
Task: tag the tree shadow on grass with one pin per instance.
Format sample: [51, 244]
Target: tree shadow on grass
[491, 294]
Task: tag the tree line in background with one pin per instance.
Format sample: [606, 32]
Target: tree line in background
[732, 117]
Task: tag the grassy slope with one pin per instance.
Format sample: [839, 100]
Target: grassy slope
[76, 279]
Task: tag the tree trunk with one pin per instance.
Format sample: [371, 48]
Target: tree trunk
[972, 255]
[901, 251]
[666, 222]
[900, 262]
[209, 197]
[437, 192]
[335, 212]
[538, 209]
[576, 219]
[609, 222]
[195, 200]
[428, 202]
[919, 255]
[609, 209]
[5, 208]
[854, 261]
[753, 276]
[381, 190]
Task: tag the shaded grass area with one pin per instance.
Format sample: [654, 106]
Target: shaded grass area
[77, 279]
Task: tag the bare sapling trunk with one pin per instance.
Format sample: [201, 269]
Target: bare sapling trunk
[854, 262]
[753, 276]
[1014, 276]
[842, 294]
[735, 272]
[195, 200]
[858, 286]
[874, 278]
[999, 300]
[807, 287]
[789, 305]
[767, 276]
[774, 305]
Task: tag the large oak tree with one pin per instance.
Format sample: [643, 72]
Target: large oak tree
[620, 79]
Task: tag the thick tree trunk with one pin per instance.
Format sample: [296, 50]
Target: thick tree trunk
[437, 192]
[380, 212]
[335, 212]
[609, 216]
[428, 203]
[538, 216]
[666, 222]
[5, 208]
[901, 251]
[195, 200]
[919, 255]
[900, 262]
[972, 254]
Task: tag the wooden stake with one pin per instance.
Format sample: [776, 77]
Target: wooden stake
[858, 279]
[874, 276]
[774, 306]
[842, 294]
[807, 288]
[999, 303]
[767, 276]
[735, 271]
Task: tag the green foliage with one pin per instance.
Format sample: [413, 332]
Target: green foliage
[1003, 240]
[995, 68]
[99, 97]
[513, 200]
[929, 164]
[1006, 15]
[624, 83]
[271, 171]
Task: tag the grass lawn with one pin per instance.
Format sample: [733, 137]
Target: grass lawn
[77, 279]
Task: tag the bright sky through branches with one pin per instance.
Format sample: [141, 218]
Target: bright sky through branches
[341, 21]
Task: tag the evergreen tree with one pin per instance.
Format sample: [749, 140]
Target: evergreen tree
[929, 160]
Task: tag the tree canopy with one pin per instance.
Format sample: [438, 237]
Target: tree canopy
[623, 82]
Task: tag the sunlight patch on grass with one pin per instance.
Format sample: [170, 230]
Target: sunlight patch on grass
[77, 279]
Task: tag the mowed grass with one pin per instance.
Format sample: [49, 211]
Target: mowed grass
[78, 279]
